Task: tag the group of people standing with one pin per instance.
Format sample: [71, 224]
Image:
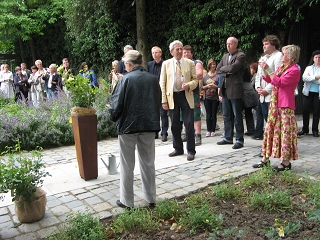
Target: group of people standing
[137, 96]
[40, 83]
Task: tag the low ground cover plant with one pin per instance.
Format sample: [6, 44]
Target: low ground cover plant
[48, 125]
[283, 206]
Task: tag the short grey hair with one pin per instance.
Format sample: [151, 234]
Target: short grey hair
[38, 61]
[133, 56]
[127, 47]
[171, 46]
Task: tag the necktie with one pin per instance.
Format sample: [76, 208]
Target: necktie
[178, 76]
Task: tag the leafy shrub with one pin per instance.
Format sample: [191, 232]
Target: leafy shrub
[48, 124]
[200, 218]
[167, 209]
[80, 226]
[135, 219]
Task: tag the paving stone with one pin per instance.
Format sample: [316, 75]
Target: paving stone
[45, 232]
[83, 209]
[5, 218]
[171, 179]
[192, 180]
[60, 210]
[28, 236]
[49, 221]
[166, 195]
[104, 215]
[179, 192]
[67, 198]
[101, 207]
[74, 204]
[53, 203]
[8, 224]
[98, 190]
[8, 233]
[85, 195]
[78, 191]
[183, 176]
[169, 186]
[30, 227]
[3, 211]
[93, 200]
[107, 195]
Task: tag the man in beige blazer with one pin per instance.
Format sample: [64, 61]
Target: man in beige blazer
[176, 97]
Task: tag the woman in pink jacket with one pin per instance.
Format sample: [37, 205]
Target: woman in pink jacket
[280, 136]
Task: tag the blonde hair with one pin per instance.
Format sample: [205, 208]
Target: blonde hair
[293, 52]
[157, 48]
[115, 63]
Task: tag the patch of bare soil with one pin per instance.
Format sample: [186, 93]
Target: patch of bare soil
[236, 214]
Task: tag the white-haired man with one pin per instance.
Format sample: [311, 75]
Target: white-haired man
[177, 80]
[136, 93]
[121, 67]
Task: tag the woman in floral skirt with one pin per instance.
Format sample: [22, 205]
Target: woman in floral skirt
[280, 136]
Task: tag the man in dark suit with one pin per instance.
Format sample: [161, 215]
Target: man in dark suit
[154, 67]
[231, 67]
[121, 67]
[177, 80]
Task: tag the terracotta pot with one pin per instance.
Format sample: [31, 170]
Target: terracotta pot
[85, 137]
[32, 211]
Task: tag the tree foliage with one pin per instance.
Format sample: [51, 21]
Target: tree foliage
[95, 31]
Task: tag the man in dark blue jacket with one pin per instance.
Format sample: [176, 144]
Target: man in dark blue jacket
[121, 67]
[134, 106]
[154, 67]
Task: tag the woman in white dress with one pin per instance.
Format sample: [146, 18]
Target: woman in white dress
[6, 80]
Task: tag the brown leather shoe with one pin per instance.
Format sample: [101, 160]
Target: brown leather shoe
[175, 153]
[190, 157]
[164, 138]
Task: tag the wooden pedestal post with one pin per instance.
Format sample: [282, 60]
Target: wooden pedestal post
[85, 137]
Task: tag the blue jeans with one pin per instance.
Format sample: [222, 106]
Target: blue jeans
[232, 116]
[262, 115]
[211, 114]
[51, 94]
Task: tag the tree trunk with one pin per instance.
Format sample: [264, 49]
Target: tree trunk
[33, 53]
[21, 50]
[141, 29]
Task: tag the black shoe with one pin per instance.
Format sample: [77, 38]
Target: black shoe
[237, 145]
[300, 133]
[315, 134]
[164, 138]
[152, 205]
[248, 133]
[175, 153]
[257, 137]
[190, 157]
[223, 142]
[120, 204]
[261, 164]
[284, 167]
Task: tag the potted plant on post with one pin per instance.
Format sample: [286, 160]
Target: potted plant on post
[22, 173]
[84, 124]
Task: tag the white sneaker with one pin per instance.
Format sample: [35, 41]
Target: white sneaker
[208, 134]
[213, 134]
